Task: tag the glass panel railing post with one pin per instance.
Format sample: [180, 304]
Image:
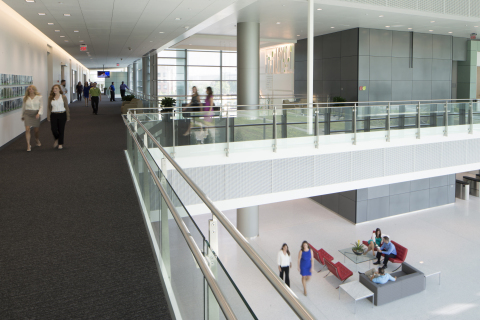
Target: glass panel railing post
[165, 238]
[445, 132]
[227, 149]
[470, 118]
[354, 124]
[388, 122]
[317, 131]
[211, 305]
[274, 129]
[418, 120]
[173, 136]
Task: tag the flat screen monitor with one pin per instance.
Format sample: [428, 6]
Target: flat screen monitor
[103, 74]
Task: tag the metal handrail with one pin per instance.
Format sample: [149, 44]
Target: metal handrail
[281, 288]
[207, 273]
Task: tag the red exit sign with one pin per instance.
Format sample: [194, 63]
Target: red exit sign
[83, 47]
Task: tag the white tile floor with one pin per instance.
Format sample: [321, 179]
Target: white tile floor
[444, 238]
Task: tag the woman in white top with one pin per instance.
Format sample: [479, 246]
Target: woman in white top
[31, 112]
[284, 263]
[58, 114]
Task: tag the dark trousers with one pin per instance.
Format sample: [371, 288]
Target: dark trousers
[122, 93]
[57, 122]
[79, 96]
[112, 95]
[285, 270]
[387, 256]
[95, 104]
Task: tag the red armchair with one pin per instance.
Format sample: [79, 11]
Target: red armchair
[338, 270]
[320, 255]
[401, 254]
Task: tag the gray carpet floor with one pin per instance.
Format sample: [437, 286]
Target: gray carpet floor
[73, 244]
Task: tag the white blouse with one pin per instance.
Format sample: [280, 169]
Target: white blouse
[34, 104]
[283, 260]
[57, 105]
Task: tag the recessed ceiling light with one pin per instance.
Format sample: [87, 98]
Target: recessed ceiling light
[29, 0]
[66, 14]
[50, 23]
[189, 44]
[432, 21]
[410, 28]
[57, 30]
[178, 18]
[387, 26]
[151, 41]
[298, 35]
[161, 32]
[81, 41]
[450, 32]
[380, 16]
[75, 30]
[332, 27]
[475, 26]
[319, 9]
[66, 40]
[278, 22]
[62, 36]
[430, 30]
[41, 14]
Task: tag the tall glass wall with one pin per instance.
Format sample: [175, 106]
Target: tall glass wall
[139, 76]
[180, 70]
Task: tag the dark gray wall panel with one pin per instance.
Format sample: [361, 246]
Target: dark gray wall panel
[352, 194]
[378, 208]
[378, 192]
[349, 90]
[331, 45]
[459, 49]
[300, 87]
[349, 68]
[422, 69]
[364, 42]
[300, 51]
[419, 200]
[399, 188]
[422, 90]
[380, 43]
[380, 91]
[441, 69]
[301, 70]
[380, 68]
[421, 184]
[441, 47]
[332, 88]
[399, 203]
[331, 69]
[422, 46]
[346, 208]
[440, 181]
[331, 201]
[441, 90]
[362, 211]
[363, 68]
[317, 88]
[400, 44]
[401, 69]
[317, 48]
[317, 199]
[451, 193]
[362, 194]
[317, 70]
[438, 196]
[349, 43]
[402, 90]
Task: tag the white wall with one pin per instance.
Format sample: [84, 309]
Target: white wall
[23, 51]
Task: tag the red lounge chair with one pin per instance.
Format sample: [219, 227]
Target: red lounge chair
[401, 254]
[320, 256]
[338, 270]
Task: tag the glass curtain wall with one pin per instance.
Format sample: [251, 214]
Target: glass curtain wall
[139, 76]
[180, 70]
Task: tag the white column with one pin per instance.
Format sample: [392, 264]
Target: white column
[247, 221]
[248, 64]
[310, 36]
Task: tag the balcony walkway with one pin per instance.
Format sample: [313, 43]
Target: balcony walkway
[73, 242]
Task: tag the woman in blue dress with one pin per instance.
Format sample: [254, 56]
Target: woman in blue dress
[305, 264]
[86, 92]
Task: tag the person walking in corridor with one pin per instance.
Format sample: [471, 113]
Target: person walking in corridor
[123, 87]
[284, 262]
[86, 93]
[31, 112]
[112, 92]
[305, 264]
[79, 91]
[96, 97]
[64, 89]
[58, 114]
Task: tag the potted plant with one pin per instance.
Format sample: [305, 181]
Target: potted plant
[129, 97]
[358, 248]
[168, 102]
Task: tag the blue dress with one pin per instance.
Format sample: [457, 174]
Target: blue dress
[86, 91]
[306, 263]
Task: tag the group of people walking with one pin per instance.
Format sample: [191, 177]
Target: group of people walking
[58, 114]
[379, 244]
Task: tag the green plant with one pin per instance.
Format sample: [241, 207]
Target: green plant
[358, 246]
[129, 97]
[168, 102]
[339, 99]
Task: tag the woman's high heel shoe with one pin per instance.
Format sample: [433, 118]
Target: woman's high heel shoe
[29, 148]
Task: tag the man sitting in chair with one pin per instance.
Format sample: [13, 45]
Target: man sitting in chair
[379, 277]
[388, 249]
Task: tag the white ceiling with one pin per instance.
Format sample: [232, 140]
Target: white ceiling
[111, 27]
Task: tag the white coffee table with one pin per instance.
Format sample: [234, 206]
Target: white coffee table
[430, 273]
[357, 291]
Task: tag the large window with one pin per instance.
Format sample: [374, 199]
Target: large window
[180, 70]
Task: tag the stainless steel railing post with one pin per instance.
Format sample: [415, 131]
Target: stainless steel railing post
[470, 118]
[227, 149]
[445, 132]
[418, 120]
[317, 130]
[274, 129]
[354, 124]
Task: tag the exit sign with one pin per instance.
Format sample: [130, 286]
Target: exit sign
[118, 64]
[83, 47]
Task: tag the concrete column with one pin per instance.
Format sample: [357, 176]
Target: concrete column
[310, 36]
[134, 86]
[129, 72]
[247, 221]
[248, 64]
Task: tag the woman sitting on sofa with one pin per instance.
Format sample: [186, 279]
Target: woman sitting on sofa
[375, 241]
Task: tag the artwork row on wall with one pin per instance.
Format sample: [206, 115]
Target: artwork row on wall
[10, 105]
[12, 88]
[13, 80]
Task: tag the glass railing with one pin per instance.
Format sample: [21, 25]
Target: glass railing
[231, 129]
[167, 219]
